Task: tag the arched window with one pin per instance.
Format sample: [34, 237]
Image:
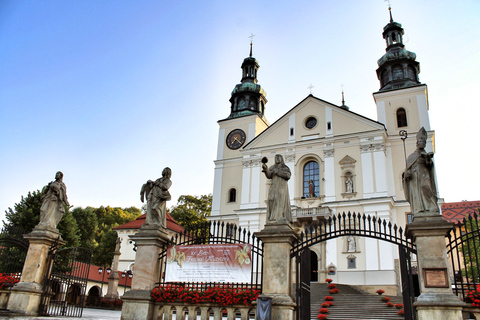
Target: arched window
[311, 180]
[232, 195]
[401, 118]
[411, 74]
[397, 72]
[384, 77]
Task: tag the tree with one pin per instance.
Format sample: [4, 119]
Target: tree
[26, 215]
[190, 211]
[470, 248]
[89, 228]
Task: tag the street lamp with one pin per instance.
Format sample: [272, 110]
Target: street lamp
[124, 274]
[100, 271]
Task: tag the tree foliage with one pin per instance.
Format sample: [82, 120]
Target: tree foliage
[471, 249]
[80, 227]
[190, 211]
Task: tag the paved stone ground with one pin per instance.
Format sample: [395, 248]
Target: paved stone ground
[92, 314]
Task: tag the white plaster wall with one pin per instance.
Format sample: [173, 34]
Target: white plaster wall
[245, 186]
[381, 115]
[423, 111]
[329, 179]
[380, 173]
[371, 253]
[328, 118]
[221, 144]
[367, 174]
[217, 190]
[291, 124]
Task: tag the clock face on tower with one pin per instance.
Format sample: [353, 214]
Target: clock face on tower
[236, 139]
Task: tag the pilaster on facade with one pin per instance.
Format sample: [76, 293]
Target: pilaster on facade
[251, 172]
[217, 189]
[329, 174]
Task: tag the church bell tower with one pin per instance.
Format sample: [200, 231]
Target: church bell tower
[245, 121]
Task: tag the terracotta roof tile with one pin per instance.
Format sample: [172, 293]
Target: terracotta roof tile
[456, 211]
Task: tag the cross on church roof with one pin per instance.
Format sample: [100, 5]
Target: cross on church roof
[251, 43]
[310, 87]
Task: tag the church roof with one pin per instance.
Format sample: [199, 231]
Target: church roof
[456, 211]
[374, 122]
[172, 224]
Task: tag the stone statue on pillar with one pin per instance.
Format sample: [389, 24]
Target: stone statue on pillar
[157, 194]
[113, 278]
[53, 201]
[278, 202]
[419, 179]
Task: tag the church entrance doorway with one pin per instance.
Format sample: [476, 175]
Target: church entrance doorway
[350, 226]
[314, 266]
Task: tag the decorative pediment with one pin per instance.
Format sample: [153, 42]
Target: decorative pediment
[347, 161]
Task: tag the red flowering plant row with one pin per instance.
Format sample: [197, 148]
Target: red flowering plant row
[7, 281]
[473, 297]
[322, 316]
[221, 295]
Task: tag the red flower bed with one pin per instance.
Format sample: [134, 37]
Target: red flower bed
[323, 310]
[328, 298]
[389, 304]
[401, 313]
[474, 297]
[7, 281]
[222, 295]
[326, 304]
[328, 280]
[331, 286]
[334, 291]
[399, 306]
[386, 299]
[322, 316]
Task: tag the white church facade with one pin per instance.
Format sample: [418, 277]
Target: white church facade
[340, 161]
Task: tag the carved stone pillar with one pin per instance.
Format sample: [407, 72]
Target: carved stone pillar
[137, 303]
[436, 300]
[25, 295]
[277, 268]
[113, 278]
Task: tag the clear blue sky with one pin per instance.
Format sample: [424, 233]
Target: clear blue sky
[111, 92]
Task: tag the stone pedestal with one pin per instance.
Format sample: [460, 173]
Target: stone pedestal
[137, 303]
[436, 301]
[113, 278]
[25, 295]
[277, 268]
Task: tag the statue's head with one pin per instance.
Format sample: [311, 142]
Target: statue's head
[279, 159]
[167, 173]
[422, 138]
[59, 175]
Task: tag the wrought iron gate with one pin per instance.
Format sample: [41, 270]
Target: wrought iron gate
[303, 284]
[408, 291]
[13, 250]
[361, 225]
[65, 284]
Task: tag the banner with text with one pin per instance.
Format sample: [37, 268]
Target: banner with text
[209, 263]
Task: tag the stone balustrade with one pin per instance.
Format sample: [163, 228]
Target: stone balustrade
[4, 294]
[179, 311]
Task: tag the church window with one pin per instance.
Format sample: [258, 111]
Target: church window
[352, 262]
[232, 195]
[384, 77]
[409, 218]
[411, 74]
[311, 180]
[397, 72]
[311, 122]
[291, 131]
[401, 118]
[329, 125]
[242, 104]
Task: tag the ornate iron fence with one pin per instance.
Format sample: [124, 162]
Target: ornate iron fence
[219, 232]
[13, 250]
[463, 249]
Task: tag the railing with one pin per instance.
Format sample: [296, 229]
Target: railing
[463, 248]
[180, 311]
[311, 212]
